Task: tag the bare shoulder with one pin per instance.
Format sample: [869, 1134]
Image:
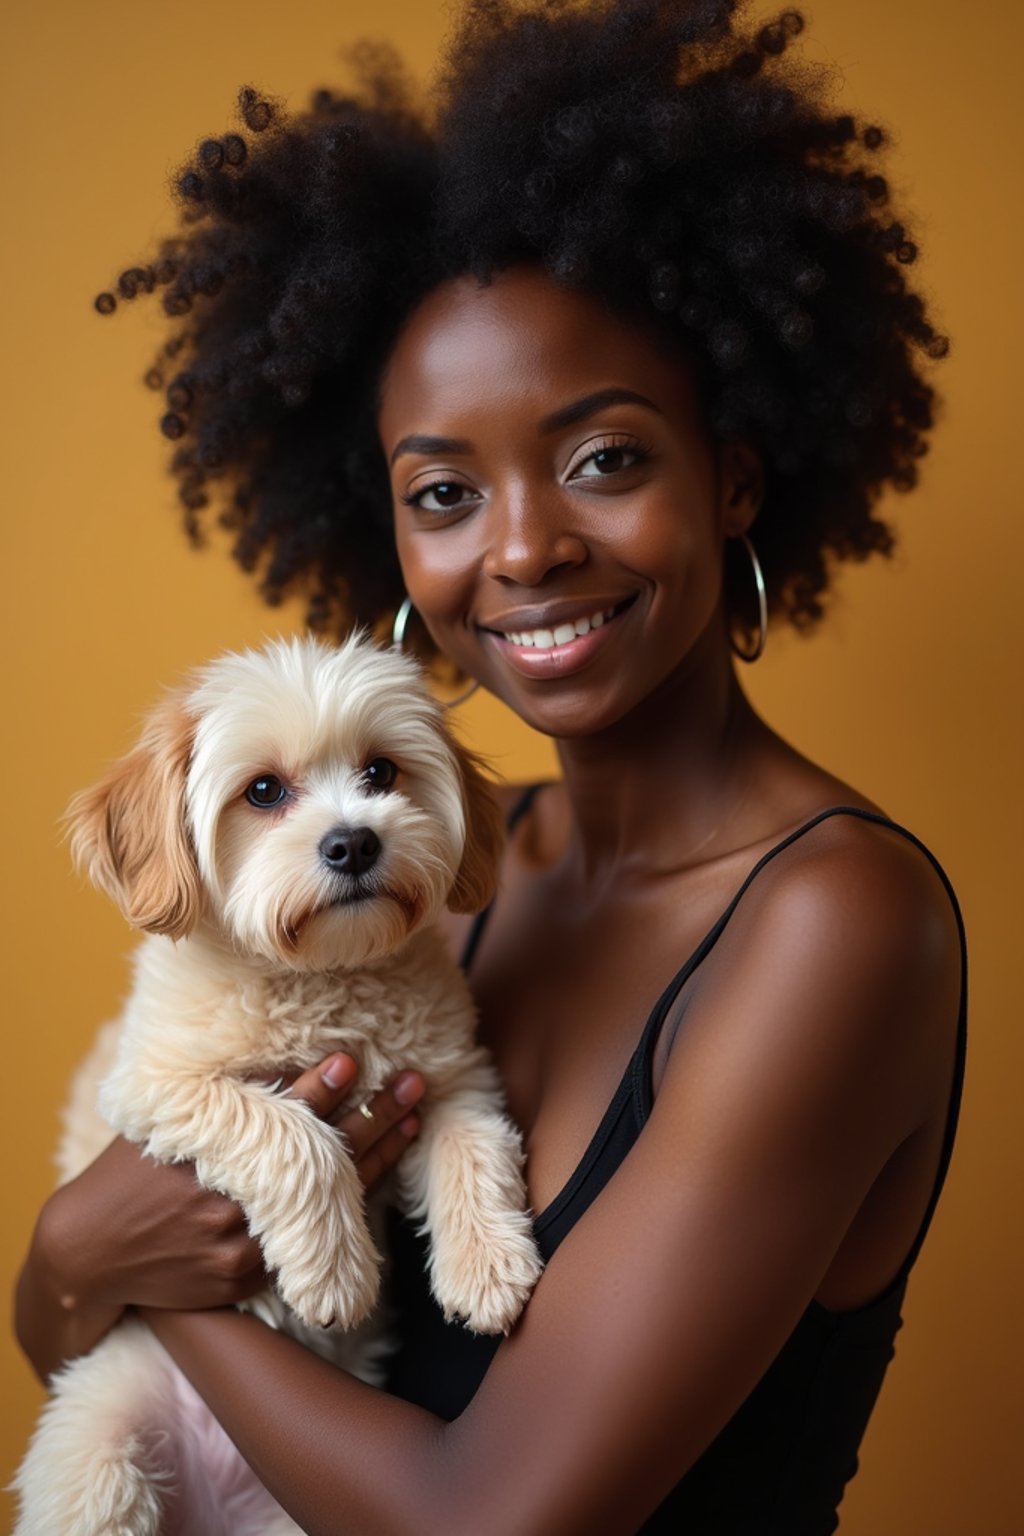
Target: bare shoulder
[847, 943]
[867, 884]
[821, 1030]
[843, 872]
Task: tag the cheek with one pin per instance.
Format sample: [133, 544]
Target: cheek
[671, 541]
[438, 572]
[694, 553]
[258, 845]
[240, 838]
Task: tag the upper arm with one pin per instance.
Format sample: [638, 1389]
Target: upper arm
[800, 1070]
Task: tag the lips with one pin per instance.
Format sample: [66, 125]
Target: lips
[562, 621]
[561, 634]
[557, 639]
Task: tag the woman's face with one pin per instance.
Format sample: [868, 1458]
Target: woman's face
[560, 508]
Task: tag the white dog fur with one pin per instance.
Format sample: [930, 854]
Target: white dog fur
[279, 960]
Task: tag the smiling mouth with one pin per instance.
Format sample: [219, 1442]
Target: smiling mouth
[561, 647]
[547, 636]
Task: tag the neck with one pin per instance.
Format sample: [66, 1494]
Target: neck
[661, 789]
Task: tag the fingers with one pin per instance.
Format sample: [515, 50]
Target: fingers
[377, 1131]
[370, 1122]
[326, 1087]
[380, 1130]
[382, 1156]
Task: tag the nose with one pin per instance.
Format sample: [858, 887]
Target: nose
[531, 537]
[350, 850]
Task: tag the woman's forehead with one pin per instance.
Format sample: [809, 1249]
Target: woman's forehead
[521, 338]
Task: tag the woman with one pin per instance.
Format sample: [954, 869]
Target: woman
[571, 366]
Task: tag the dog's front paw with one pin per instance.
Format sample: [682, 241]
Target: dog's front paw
[486, 1280]
[337, 1290]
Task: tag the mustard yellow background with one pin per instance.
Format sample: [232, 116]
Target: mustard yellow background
[912, 691]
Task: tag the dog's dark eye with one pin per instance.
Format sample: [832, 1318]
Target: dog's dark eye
[381, 773]
[266, 790]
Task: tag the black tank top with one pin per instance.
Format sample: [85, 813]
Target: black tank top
[780, 1465]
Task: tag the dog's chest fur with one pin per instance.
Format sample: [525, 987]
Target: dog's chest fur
[247, 1019]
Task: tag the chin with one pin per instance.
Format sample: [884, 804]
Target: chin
[345, 935]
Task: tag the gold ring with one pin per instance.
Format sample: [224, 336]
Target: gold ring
[366, 1111]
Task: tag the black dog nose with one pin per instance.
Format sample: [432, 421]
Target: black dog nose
[350, 850]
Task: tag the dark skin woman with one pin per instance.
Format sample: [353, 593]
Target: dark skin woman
[554, 454]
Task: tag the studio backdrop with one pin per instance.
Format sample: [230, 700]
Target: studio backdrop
[910, 690]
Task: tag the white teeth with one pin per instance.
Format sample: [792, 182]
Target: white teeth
[545, 639]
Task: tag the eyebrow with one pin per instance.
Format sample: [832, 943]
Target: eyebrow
[579, 410]
[421, 444]
[566, 416]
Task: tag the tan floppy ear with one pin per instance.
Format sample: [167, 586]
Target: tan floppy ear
[477, 878]
[128, 832]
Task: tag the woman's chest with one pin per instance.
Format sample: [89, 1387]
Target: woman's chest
[564, 998]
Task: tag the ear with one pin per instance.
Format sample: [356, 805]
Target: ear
[477, 878]
[741, 485]
[128, 832]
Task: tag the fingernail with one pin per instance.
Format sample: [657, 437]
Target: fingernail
[338, 1071]
[408, 1088]
[409, 1126]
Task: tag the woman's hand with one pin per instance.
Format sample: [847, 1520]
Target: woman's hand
[380, 1131]
[130, 1231]
[127, 1230]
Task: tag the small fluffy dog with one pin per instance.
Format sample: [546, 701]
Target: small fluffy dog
[295, 818]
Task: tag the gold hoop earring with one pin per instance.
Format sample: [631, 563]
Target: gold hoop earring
[762, 607]
[398, 628]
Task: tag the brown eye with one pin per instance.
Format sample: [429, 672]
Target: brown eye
[380, 774]
[265, 791]
[447, 493]
[608, 460]
[448, 496]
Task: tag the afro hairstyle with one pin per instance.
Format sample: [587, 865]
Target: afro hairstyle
[669, 156]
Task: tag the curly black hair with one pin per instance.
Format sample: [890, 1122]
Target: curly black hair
[683, 166]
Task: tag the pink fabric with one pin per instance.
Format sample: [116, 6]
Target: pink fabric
[216, 1492]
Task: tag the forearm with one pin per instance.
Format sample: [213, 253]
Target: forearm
[54, 1323]
[340, 1456]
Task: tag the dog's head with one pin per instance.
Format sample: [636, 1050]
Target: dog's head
[307, 800]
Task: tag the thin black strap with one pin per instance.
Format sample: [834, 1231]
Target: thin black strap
[634, 1091]
[479, 923]
[657, 1015]
[640, 1064]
